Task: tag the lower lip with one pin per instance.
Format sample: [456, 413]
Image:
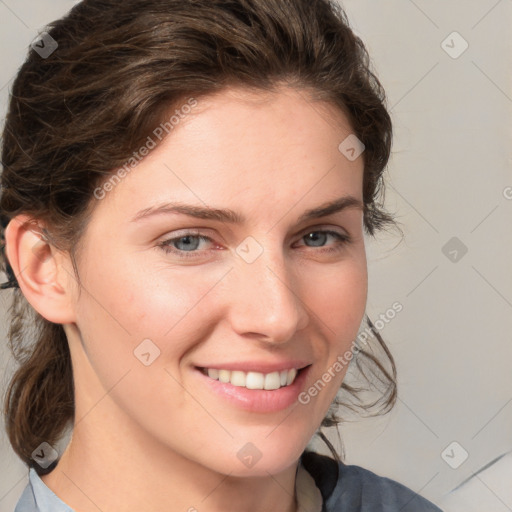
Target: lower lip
[258, 400]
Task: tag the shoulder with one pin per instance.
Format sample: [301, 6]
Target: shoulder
[348, 487]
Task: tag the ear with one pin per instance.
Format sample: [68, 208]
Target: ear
[44, 274]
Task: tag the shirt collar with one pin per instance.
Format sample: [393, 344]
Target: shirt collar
[46, 500]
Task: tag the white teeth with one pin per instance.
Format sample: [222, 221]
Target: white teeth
[213, 373]
[291, 376]
[254, 380]
[237, 378]
[272, 380]
[224, 375]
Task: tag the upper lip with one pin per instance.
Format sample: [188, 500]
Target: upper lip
[257, 366]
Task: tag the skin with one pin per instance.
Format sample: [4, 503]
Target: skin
[154, 437]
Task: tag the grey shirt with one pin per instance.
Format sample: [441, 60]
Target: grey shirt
[326, 484]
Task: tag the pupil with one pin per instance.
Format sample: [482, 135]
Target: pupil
[314, 237]
[188, 242]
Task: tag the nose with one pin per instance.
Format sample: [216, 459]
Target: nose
[265, 300]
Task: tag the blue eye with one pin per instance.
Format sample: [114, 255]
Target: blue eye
[188, 242]
[186, 246]
[342, 239]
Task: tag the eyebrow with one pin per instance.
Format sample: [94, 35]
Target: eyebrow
[232, 217]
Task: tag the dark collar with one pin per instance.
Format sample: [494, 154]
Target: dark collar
[324, 471]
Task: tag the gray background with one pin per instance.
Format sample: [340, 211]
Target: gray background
[450, 168]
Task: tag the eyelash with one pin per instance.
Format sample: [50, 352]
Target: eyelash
[165, 245]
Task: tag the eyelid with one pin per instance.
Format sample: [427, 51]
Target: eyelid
[198, 232]
[323, 227]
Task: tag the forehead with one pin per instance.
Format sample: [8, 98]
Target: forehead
[253, 150]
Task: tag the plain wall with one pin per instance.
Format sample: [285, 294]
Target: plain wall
[447, 179]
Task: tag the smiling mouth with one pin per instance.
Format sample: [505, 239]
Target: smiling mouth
[253, 380]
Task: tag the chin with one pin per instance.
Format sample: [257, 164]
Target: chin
[272, 454]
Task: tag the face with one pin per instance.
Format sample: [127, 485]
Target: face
[183, 316]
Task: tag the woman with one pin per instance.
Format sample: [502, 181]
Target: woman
[186, 188]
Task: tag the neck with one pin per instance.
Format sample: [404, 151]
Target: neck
[107, 467]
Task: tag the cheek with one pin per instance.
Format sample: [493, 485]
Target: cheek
[133, 301]
[337, 297]
[130, 310]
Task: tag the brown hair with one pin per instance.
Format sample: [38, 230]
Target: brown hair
[119, 68]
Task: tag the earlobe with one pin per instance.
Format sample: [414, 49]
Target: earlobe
[37, 266]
